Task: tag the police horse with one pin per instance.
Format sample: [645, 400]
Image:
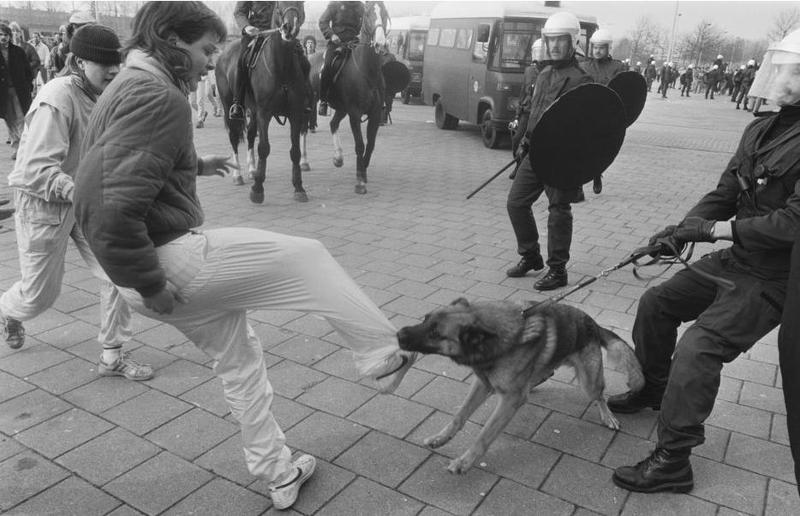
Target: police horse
[276, 89]
[358, 89]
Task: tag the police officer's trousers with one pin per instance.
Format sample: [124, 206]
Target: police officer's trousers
[525, 190]
[789, 358]
[726, 323]
[223, 273]
[43, 232]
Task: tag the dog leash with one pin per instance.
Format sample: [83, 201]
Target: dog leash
[661, 252]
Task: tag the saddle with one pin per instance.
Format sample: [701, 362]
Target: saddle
[253, 48]
[340, 58]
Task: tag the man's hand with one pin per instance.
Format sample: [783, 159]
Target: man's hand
[164, 301]
[523, 148]
[336, 39]
[696, 229]
[667, 243]
[251, 31]
[216, 165]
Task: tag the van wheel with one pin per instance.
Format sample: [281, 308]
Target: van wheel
[489, 131]
[443, 120]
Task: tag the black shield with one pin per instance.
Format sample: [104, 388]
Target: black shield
[632, 90]
[578, 136]
[396, 76]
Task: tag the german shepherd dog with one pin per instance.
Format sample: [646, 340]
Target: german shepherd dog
[511, 351]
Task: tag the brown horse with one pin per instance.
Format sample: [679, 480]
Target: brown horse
[358, 90]
[276, 89]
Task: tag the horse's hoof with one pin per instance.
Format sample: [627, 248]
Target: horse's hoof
[305, 167]
[238, 180]
[338, 162]
[361, 188]
[256, 197]
[300, 197]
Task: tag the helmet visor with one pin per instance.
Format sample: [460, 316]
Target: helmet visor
[778, 78]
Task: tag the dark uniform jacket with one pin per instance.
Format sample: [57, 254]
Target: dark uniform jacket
[603, 70]
[528, 82]
[555, 80]
[737, 77]
[343, 19]
[688, 76]
[17, 74]
[748, 76]
[650, 71]
[768, 211]
[257, 14]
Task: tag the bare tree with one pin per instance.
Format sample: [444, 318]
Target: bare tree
[644, 39]
[784, 23]
[703, 43]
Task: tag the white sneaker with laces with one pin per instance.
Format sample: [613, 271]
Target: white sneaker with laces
[284, 496]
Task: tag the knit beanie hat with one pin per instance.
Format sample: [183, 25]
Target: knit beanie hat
[96, 43]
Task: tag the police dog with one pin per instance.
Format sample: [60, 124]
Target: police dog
[511, 351]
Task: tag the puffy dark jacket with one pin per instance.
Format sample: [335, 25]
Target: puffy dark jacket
[603, 70]
[768, 213]
[555, 80]
[343, 19]
[135, 185]
[15, 73]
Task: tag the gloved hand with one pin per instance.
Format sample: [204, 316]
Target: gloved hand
[666, 241]
[523, 148]
[696, 229]
[250, 31]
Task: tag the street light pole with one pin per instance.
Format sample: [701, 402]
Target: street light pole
[672, 37]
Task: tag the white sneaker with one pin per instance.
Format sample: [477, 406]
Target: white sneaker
[390, 376]
[285, 495]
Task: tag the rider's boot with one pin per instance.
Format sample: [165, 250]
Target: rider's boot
[236, 111]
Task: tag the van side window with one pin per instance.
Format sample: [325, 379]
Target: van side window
[447, 38]
[463, 39]
[433, 37]
[479, 51]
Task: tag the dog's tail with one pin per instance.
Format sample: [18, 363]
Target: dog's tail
[620, 353]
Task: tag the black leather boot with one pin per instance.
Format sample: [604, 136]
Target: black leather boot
[632, 402]
[663, 470]
[597, 187]
[555, 278]
[526, 264]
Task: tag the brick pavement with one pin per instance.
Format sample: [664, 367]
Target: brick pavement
[73, 443]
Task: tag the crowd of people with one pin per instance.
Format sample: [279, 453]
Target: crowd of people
[105, 160]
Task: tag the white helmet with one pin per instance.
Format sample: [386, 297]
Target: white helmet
[563, 24]
[691, 65]
[537, 51]
[777, 78]
[638, 63]
[719, 56]
[715, 67]
[751, 62]
[742, 67]
[787, 50]
[601, 37]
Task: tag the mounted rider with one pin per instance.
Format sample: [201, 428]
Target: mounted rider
[254, 18]
[340, 24]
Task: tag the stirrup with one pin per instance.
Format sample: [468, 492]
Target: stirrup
[236, 112]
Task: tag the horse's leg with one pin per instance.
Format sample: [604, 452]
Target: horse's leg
[252, 132]
[373, 123]
[234, 138]
[294, 153]
[338, 158]
[358, 138]
[257, 190]
[304, 166]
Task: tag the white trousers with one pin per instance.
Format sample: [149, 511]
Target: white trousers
[43, 231]
[222, 273]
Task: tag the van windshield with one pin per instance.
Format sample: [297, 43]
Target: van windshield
[416, 45]
[515, 51]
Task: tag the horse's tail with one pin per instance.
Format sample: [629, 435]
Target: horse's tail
[235, 129]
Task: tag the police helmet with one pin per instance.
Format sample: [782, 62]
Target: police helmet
[563, 24]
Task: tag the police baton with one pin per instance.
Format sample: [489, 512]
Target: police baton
[512, 162]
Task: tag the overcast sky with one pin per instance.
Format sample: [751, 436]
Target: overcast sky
[747, 19]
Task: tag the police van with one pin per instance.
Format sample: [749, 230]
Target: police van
[406, 38]
[475, 58]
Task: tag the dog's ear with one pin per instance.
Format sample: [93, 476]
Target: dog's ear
[462, 302]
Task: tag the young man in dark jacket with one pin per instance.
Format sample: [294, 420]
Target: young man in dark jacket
[16, 86]
[340, 24]
[561, 33]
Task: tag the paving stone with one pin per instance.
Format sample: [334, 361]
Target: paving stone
[512, 458]
[24, 475]
[728, 486]
[667, 504]
[457, 494]
[227, 460]
[11, 386]
[765, 457]
[165, 478]
[180, 376]
[741, 419]
[310, 325]
[146, 411]
[270, 335]
[288, 413]
[65, 376]
[443, 366]
[585, 484]
[335, 396]
[291, 380]
[327, 481]
[188, 351]
[443, 394]
[163, 337]
[782, 499]
[779, 432]
[9, 447]
[414, 381]
[511, 498]
[340, 364]
[192, 433]
[762, 397]
[63, 432]
[304, 349]
[31, 358]
[69, 302]
[73, 496]
[567, 399]
[364, 498]
[382, 458]
[391, 414]
[104, 393]
[626, 450]
[274, 317]
[715, 445]
[574, 436]
[69, 334]
[524, 423]
[324, 436]
[107, 456]
[221, 497]
[208, 396]
[29, 409]
[750, 370]
[124, 510]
